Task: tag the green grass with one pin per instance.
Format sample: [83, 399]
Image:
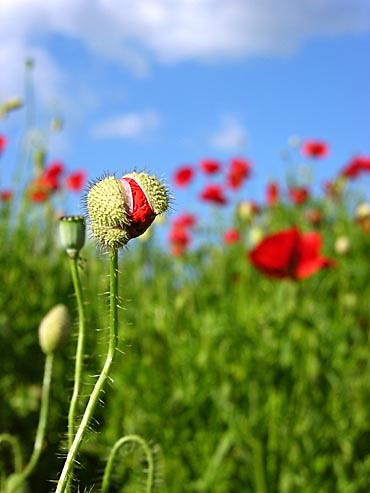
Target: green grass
[238, 382]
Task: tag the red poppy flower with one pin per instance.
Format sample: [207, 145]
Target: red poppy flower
[185, 221]
[50, 178]
[210, 166]
[239, 170]
[75, 181]
[231, 236]
[357, 166]
[214, 194]
[6, 195]
[315, 149]
[183, 176]
[272, 193]
[299, 195]
[289, 254]
[3, 142]
[179, 239]
[38, 195]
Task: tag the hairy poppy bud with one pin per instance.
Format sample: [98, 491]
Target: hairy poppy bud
[72, 234]
[54, 328]
[123, 209]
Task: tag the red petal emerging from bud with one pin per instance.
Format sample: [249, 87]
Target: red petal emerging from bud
[141, 212]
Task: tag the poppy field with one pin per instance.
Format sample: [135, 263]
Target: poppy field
[241, 357]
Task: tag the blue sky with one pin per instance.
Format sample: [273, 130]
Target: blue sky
[157, 84]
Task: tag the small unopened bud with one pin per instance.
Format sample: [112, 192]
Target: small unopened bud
[363, 217]
[57, 124]
[54, 328]
[13, 104]
[39, 160]
[255, 235]
[362, 210]
[72, 234]
[342, 245]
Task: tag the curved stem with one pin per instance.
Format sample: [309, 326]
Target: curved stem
[149, 457]
[12, 441]
[40, 434]
[79, 352]
[99, 385]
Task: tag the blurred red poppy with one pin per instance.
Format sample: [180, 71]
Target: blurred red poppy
[314, 216]
[239, 170]
[75, 181]
[357, 166]
[3, 143]
[299, 195]
[289, 254]
[50, 178]
[210, 166]
[38, 195]
[272, 193]
[183, 176]
[231, 236]
[179, 239]
[184, 221]
[315, 149]
[6, 195]
[214, 193]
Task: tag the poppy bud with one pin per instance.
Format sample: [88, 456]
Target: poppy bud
[123, 209]
[342, 245]
[13, 104]
[72, 234]
[53, 328]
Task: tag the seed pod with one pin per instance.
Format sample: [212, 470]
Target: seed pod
[54, 328]
[72, 234]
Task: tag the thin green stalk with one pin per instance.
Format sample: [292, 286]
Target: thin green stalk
[259, 468]
[112, 456]
[40, 434]
[79, 351]
[12, 441]
[99, 385]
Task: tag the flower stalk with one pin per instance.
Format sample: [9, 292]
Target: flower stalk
[99, 385]
[18, 479]
[149, 458]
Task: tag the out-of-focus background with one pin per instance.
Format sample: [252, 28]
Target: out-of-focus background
[157, 84]
[244, 342]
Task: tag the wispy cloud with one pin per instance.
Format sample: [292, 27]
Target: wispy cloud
[127, 126]
[232, 135]
[168, 31]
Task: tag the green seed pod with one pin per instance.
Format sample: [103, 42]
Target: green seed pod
[72, 234]
[54, 328]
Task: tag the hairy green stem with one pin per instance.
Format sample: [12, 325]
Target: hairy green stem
[12, 441]
[99, 385]
[79, 352]
[40, 434]
[149, 457]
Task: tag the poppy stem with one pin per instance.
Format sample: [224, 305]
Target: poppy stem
[40, 433]
[149, 458]
[103, 377]
[79, 352]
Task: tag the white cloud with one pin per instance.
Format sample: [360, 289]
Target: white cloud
[231, 136]
[134, 34]
[129, 125]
